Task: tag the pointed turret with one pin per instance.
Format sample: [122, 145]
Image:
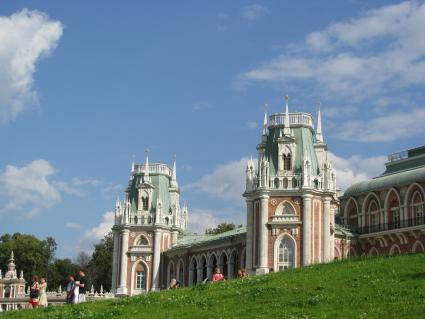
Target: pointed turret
[133, 166]
[319, 136]
[286, 130]
[147, 178]
[265, 131]
[174, 174]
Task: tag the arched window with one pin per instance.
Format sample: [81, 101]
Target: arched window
[287, 209]
[287, 164]
[143, 241]
[373, 213]
[286, 254]
[418, 208]
[140, 277]
[145, 201]
[285, 183]
[276, 182]
[180, 271]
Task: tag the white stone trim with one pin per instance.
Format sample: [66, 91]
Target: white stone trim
[393, 248]
[415, 246]
[133, 275]
[276, 250]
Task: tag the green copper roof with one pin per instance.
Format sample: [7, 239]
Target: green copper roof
[161, 184]
[304, 139]
[398, 178]
[194, 240]
[341, 231]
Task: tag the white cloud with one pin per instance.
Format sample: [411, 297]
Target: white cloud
[384, 128]
[111, 191]
[356, 168]
[227, 181]
[254, 11]
[25, 37]
[28, 188]
[98, 232]
[376, 53]
[252, 125]
[72, 225]
[201, 219]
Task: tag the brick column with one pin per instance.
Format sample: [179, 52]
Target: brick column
[249, 234]
[306, 229]
[326, 229]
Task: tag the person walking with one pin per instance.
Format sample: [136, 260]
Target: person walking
[43, 294]
[34, 292]
[70, 290]
[80, 287]
[218, 276]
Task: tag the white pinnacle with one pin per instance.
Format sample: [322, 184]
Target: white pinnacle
[319, 135]
[265, 120]
[286, 130]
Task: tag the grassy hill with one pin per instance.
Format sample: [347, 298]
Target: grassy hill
[389, 287]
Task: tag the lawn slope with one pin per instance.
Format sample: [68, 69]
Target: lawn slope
[388, 287]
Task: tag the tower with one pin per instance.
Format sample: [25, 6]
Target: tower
[290, 196]
[147, 223]
[11, 286]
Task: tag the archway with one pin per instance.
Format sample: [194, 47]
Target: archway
[395, 250]
[418, 247]
[193, 272]
[373, 252]
[233, 264]
[180, 271]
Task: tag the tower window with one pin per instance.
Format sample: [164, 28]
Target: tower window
[287, 162]
[145, 201]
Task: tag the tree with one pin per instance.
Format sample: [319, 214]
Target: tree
[83, 260]
[99, 268]
[221, 228]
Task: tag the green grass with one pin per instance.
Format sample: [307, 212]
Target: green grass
[388, 287]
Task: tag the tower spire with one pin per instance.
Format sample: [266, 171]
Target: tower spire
[319, 135]
[147, 166]
[286, 130]
[174, 175]
[265, 120]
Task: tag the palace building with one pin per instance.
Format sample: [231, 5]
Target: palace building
[292, 214]
[386, 213]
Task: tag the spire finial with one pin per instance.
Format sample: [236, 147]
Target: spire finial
[265, 119]
[319, 135]
[174, 173]
[286, 130]
[12, 256]
[147, 164]
[132, 163]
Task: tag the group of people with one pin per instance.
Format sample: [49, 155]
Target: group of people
[38, 296]
[217, 276]
[75, 290]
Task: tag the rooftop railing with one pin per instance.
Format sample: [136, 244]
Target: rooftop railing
[398, 156]
[158, 168]
[405, 223]
[298, 118]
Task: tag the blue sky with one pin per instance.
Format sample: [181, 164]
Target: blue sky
[87, 85]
